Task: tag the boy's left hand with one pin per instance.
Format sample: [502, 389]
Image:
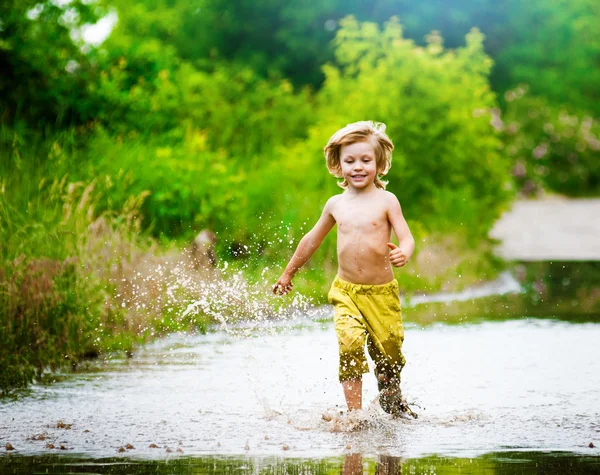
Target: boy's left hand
[397, 256]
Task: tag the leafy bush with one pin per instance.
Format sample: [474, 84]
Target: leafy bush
[57, 305]
[233, 107]
[216, 129]
[552, 147]
[51, 299]
[189, 187]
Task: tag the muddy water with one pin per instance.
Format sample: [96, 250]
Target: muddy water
[513, 386]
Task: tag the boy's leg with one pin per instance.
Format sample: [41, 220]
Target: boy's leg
[385, 338]
[388, 363]
[386, 335]
[353, 393]
[351, 335]
[387, 372]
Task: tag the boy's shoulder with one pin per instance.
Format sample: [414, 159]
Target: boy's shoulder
[385, 197]
[389, 196]
[333, 200]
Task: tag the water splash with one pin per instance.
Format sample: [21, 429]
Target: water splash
[183, 291]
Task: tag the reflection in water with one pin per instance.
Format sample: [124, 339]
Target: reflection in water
[388, 465]
[501, 463]
[564, 290]
[384, 465]
[353, 464]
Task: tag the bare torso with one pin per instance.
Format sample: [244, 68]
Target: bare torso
[364, 230]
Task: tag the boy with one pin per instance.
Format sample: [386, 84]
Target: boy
[364, 293]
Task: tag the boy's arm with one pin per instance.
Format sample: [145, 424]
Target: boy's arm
[306, 248]
[400, 254]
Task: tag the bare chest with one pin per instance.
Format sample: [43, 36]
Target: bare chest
[363, 219]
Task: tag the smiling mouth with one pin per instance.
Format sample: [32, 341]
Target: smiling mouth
[359, 176]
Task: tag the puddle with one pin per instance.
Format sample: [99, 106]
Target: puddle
[528, 384]
[496, 392]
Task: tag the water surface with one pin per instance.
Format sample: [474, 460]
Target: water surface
[514, 386]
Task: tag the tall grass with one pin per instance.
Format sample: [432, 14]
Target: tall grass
[55, 301]
[76, 282]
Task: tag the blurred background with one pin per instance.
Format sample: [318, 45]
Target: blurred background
[127, 128]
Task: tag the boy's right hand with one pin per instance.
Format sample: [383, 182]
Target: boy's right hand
[283, 286]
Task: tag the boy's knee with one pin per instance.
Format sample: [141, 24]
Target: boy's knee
[394, 358]
[387, 356]
[351, 369]
[351, 339]
[350, 334]
[353, 363]
[351, 345]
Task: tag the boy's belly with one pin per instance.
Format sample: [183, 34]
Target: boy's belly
[363, 262]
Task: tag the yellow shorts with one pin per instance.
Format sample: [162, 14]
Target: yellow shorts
[368, 313]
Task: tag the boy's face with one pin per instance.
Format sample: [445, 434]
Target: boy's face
[359, 167]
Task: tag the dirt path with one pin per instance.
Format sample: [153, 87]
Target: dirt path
[550, 229]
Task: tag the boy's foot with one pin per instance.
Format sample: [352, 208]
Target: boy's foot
[352, 421]
[391, 400]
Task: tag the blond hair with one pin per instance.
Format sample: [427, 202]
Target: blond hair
[363, 131]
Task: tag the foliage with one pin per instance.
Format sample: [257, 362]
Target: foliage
[58, 294]
[233, 109]
[44, 72]
[552, 147]
[551, 45]
[552, 59]
[50, 302]
[167, 67]
[228, 126]
[189, 186]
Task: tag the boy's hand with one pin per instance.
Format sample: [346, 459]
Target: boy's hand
[283, 286]
[397, 256]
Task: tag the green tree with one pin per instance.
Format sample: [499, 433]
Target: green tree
[553, 46]
[45, 72]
